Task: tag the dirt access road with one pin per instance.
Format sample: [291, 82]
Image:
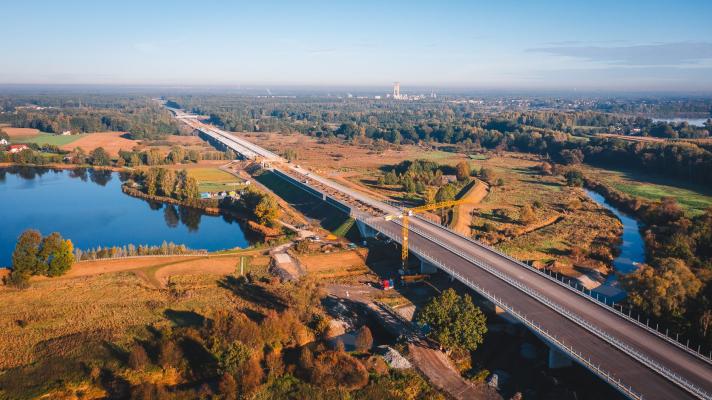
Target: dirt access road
[430, 361]
[473, 197]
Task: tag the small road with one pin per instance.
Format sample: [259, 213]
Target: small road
[424, 354]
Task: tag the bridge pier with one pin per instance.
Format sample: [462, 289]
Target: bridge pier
[427, 268]
[365, 230]
[557, 359]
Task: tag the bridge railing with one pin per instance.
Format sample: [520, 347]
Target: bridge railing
[553, 339]
[634, 353]
[599, 300]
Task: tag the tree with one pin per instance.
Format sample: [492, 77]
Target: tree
[189, 186]
[227, 387]
[25, 258]
[166, 182]
[454, 321]
[574, 178]
[462, 171]
[150, 181]
[61, 259]
[169, 354]
[486, 174]
[662, 289]
[570, 157]
[100, 157]
[364, 339]
[138, 358]
[233, 357]
[266, 211]
[177, 154]
[526, 215]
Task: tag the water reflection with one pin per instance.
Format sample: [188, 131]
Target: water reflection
[100, 177]
[89, 207]
[170, 215]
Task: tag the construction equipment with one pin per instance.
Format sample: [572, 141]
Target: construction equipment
[409, 212]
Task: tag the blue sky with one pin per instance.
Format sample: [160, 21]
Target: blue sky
[505, 44]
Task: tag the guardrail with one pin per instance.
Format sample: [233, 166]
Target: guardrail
[602, 302]
[556, 342]
[682, 382]
[650, 363]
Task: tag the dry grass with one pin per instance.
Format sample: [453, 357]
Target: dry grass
[20, 132]
[112, 142]
[109, 300]
[556, 228]
[339, 264]
[322, 157]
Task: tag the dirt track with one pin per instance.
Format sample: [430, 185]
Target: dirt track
[473, 197]
[431, 362]
[112, 142]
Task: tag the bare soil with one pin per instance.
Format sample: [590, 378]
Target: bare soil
[112, 142]
[20, 132]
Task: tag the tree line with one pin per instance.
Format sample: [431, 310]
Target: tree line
[157, 181]
[131, 250]
[140, 117]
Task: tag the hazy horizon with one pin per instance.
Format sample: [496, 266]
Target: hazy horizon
[607, 46]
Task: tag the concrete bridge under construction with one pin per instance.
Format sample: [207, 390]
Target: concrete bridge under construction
[633, 357]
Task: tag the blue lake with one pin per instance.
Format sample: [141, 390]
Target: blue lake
[88, 207]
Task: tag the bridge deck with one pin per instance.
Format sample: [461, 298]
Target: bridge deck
[629, 356]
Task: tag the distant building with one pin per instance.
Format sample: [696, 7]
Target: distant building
[396, 90]
[16, 148]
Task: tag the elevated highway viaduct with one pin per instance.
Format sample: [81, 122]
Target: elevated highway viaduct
[637, 360]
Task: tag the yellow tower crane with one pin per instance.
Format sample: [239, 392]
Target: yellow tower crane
[409, 212]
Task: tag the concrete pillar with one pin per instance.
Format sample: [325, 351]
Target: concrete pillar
[501, 313]
[365, 230]
[557, 359]
[427, 268]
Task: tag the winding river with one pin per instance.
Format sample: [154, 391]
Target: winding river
[88, 207]
[633, 246]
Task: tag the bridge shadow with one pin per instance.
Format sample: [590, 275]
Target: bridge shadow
[314, 208]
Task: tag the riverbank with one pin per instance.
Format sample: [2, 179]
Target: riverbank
[64, 166]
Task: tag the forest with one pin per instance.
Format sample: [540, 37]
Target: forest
[564, 135]
[139, 116]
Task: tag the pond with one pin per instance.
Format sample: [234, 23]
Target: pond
[633, 246]
[88, 207]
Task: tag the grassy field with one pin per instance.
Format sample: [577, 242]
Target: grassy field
[48, 138]
[564, 217]
[88, 316]
[693, 199]
[214, 180]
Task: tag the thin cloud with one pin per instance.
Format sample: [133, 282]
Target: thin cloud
[639, 55]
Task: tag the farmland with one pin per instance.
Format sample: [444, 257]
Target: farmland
[48, 138]
[19, 132]
[112, 142]
[211, 179]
